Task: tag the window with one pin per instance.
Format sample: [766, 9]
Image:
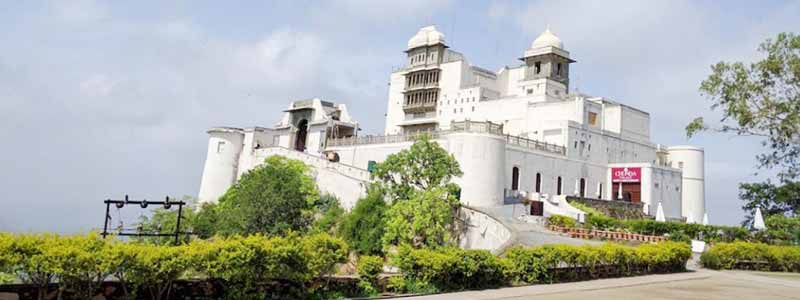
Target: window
[582, 188]
[680, 165]
[220, 146]
[558, 69]
[515, 179]
[576, 145]
[537, 67]
[592, 118]
[558, 186]
[462, 110]
[530, 91]
[600, 191]
[538, 188]
[473, 108]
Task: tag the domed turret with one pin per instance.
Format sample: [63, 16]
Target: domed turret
[547, 59]
[426, 36]
[547, 39]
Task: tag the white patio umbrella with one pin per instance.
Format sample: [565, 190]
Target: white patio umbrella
[705, 219]
[660, 214]
[758, 220]
[690, 218]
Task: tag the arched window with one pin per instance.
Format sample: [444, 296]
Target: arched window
[558, 186]
[583, 188]
[300, 138]
[538, 182]
[600, 191]
[515, 179]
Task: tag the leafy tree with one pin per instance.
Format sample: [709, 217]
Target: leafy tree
[772, 199]
[206, 221]
[329, 215]
[425, 165]
[761, 99]
[164, 221]
[274, 198]
[33, 264]
[427, 219]
[363, 227]
[156, 268]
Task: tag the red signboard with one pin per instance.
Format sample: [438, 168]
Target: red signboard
[626, 174]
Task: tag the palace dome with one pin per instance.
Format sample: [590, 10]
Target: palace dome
[547, 39]
[426, 36]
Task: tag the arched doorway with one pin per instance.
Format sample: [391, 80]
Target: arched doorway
[300, 138]
[515, 179]
[558, 186]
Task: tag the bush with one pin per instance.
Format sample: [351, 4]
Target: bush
[710, 260]
[451, 268]
[561, 221]
[585, 208]
[602, 222]
[535, 265]
[249, 266]
[369, 268]
[363, 228]
[752, 256]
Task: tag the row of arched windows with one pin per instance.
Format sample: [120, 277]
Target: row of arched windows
[515, 178]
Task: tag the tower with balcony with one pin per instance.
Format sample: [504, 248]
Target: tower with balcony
[425, 52]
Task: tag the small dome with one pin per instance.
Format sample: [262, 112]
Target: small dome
[547, 39]
[426, 36]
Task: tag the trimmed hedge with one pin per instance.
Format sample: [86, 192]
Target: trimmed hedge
[456, 269]
[253, 267]
[676, 231]
[752, 256]
[449, 269]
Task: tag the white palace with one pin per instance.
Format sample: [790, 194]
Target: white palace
[516, 132]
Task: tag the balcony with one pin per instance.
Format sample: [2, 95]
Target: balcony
[419, 107]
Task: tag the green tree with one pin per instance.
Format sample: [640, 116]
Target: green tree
[206, 221]
[164, 221]
[426, 220]
[156, 268]
[329, 215]
[760, 99]
[364, 226]
[771, 198]
[274, 198]
[425, 165]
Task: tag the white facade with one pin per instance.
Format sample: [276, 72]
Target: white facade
[517, 129]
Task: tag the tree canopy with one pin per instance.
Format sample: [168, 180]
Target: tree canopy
[760, 99]
[274, 198]
[425, 165]
[363, 227]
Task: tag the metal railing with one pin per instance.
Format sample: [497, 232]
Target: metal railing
[463, 126]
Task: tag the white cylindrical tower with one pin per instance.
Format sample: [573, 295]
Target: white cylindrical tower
[691, 161]
[219, 172]
[482, 158]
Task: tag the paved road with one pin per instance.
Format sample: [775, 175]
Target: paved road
[703, 284]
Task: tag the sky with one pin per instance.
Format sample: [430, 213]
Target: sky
[99, 99]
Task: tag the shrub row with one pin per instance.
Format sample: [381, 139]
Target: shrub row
[752, 256]
[456, 269]
[249, 266]
[677, 231]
